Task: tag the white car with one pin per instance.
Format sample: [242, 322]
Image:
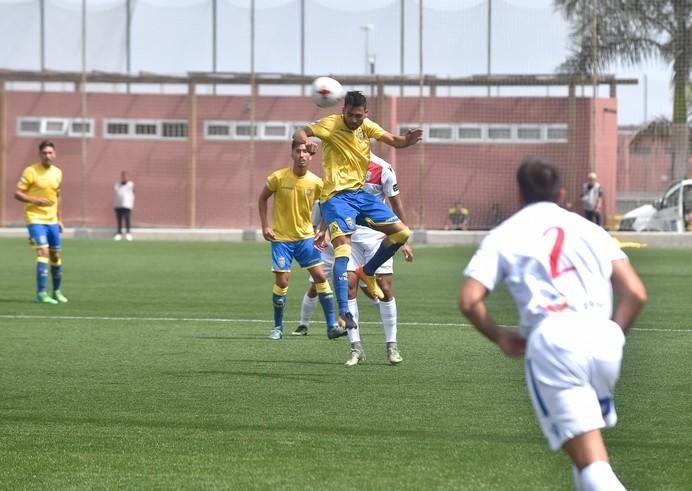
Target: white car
[669, 213]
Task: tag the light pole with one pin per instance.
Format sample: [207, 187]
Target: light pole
[366, 28]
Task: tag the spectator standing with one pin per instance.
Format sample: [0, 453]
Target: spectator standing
[592, 199]
[123, 202]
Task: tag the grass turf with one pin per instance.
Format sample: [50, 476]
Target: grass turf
[158, 375]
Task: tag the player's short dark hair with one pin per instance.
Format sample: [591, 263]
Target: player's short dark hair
[539, 180]
[44, 144]
[355, 98]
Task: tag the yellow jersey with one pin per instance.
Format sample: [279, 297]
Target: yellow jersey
[345, 152]
[39, 181]
[294, 197]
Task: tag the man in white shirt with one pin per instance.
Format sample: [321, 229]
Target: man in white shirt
[561, 270]
[381, 182]
[123, 202]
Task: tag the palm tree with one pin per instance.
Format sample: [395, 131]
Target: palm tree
[630, 32]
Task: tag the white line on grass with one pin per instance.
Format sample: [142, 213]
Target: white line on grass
[255, 321]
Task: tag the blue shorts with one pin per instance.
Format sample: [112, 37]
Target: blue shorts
[303, 251]
[343, 211]
[44, 235]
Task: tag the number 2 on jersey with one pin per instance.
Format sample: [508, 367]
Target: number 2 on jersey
[556, 251]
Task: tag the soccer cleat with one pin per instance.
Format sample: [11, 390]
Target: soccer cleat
[336, 332]
[355, 358]
[277, 333]
[394, 355]
[301, 330]
[347, 321]
[43, 297]
[128, 236]
[57, 295]
[370, 283]
[118, 237]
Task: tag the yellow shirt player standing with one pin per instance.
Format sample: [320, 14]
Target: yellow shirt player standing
[346, 154]
[39, 190]
[295, 190]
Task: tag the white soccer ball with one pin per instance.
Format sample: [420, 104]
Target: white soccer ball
[326, 91]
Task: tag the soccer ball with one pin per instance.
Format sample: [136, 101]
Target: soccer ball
[326, 92]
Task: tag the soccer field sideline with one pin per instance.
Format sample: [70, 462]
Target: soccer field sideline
[261, 321]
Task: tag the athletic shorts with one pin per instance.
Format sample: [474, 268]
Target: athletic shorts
[343, 211]
[572, 365]
[303, 251]
[44, 235]
[362, 252]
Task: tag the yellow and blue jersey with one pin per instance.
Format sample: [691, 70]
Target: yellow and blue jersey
[294, 197]
[345, 152]
[39, 181]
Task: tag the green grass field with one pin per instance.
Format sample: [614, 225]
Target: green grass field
[159, 375]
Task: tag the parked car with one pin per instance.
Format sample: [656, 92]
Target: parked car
[672, 212]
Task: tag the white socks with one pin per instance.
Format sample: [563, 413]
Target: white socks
[354, 334]
[307, 308]
[599, 476]
[388, 316]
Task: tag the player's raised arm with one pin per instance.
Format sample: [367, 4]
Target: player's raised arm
[411, 137]
[302, 135]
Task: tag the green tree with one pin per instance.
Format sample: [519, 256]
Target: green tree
[631, 32]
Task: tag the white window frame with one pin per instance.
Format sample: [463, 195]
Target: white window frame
[211, 122]
[64, 123]
[236, 136]
[539, 127]
[263, 131]
[564, 127]
[154, 122]
[172, 121]
[28, 119]
[79, 134]
[128, 122]
[491, 127]
[427, 130]
[480, 127]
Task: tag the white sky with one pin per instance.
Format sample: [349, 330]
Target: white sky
[175, 36]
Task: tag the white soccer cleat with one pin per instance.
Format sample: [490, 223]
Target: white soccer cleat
[128, 236]
[118, 237]
[277, 333]
[394, 355]
[355, 358]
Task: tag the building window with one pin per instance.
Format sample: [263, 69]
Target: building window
[217, 130]
[146, 129]
[116, 128]
[274, 131]
[465, 133]
[80, 127]
[557, 133]
[529, 133]
[174, 130]
[499, 133]
[244, 131]
[440, 134]
[54, 127]
[29, 126]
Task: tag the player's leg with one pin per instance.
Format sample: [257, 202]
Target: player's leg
[119, 221]
[55, 254]
[282, 257]
[388, 314]
[571, 386]
[376, 215]
[127, 213]
[38, 239]
[357, 352]
[307, 309]
[308, 257]
[340, 216]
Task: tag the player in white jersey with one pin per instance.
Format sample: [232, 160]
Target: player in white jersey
[380, 181]
[561, 270]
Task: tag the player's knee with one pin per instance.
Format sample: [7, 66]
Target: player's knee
[42, 252]
[400, 237]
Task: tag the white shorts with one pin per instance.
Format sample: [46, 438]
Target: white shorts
[572, 366]
[362, 252]
[327, 255]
